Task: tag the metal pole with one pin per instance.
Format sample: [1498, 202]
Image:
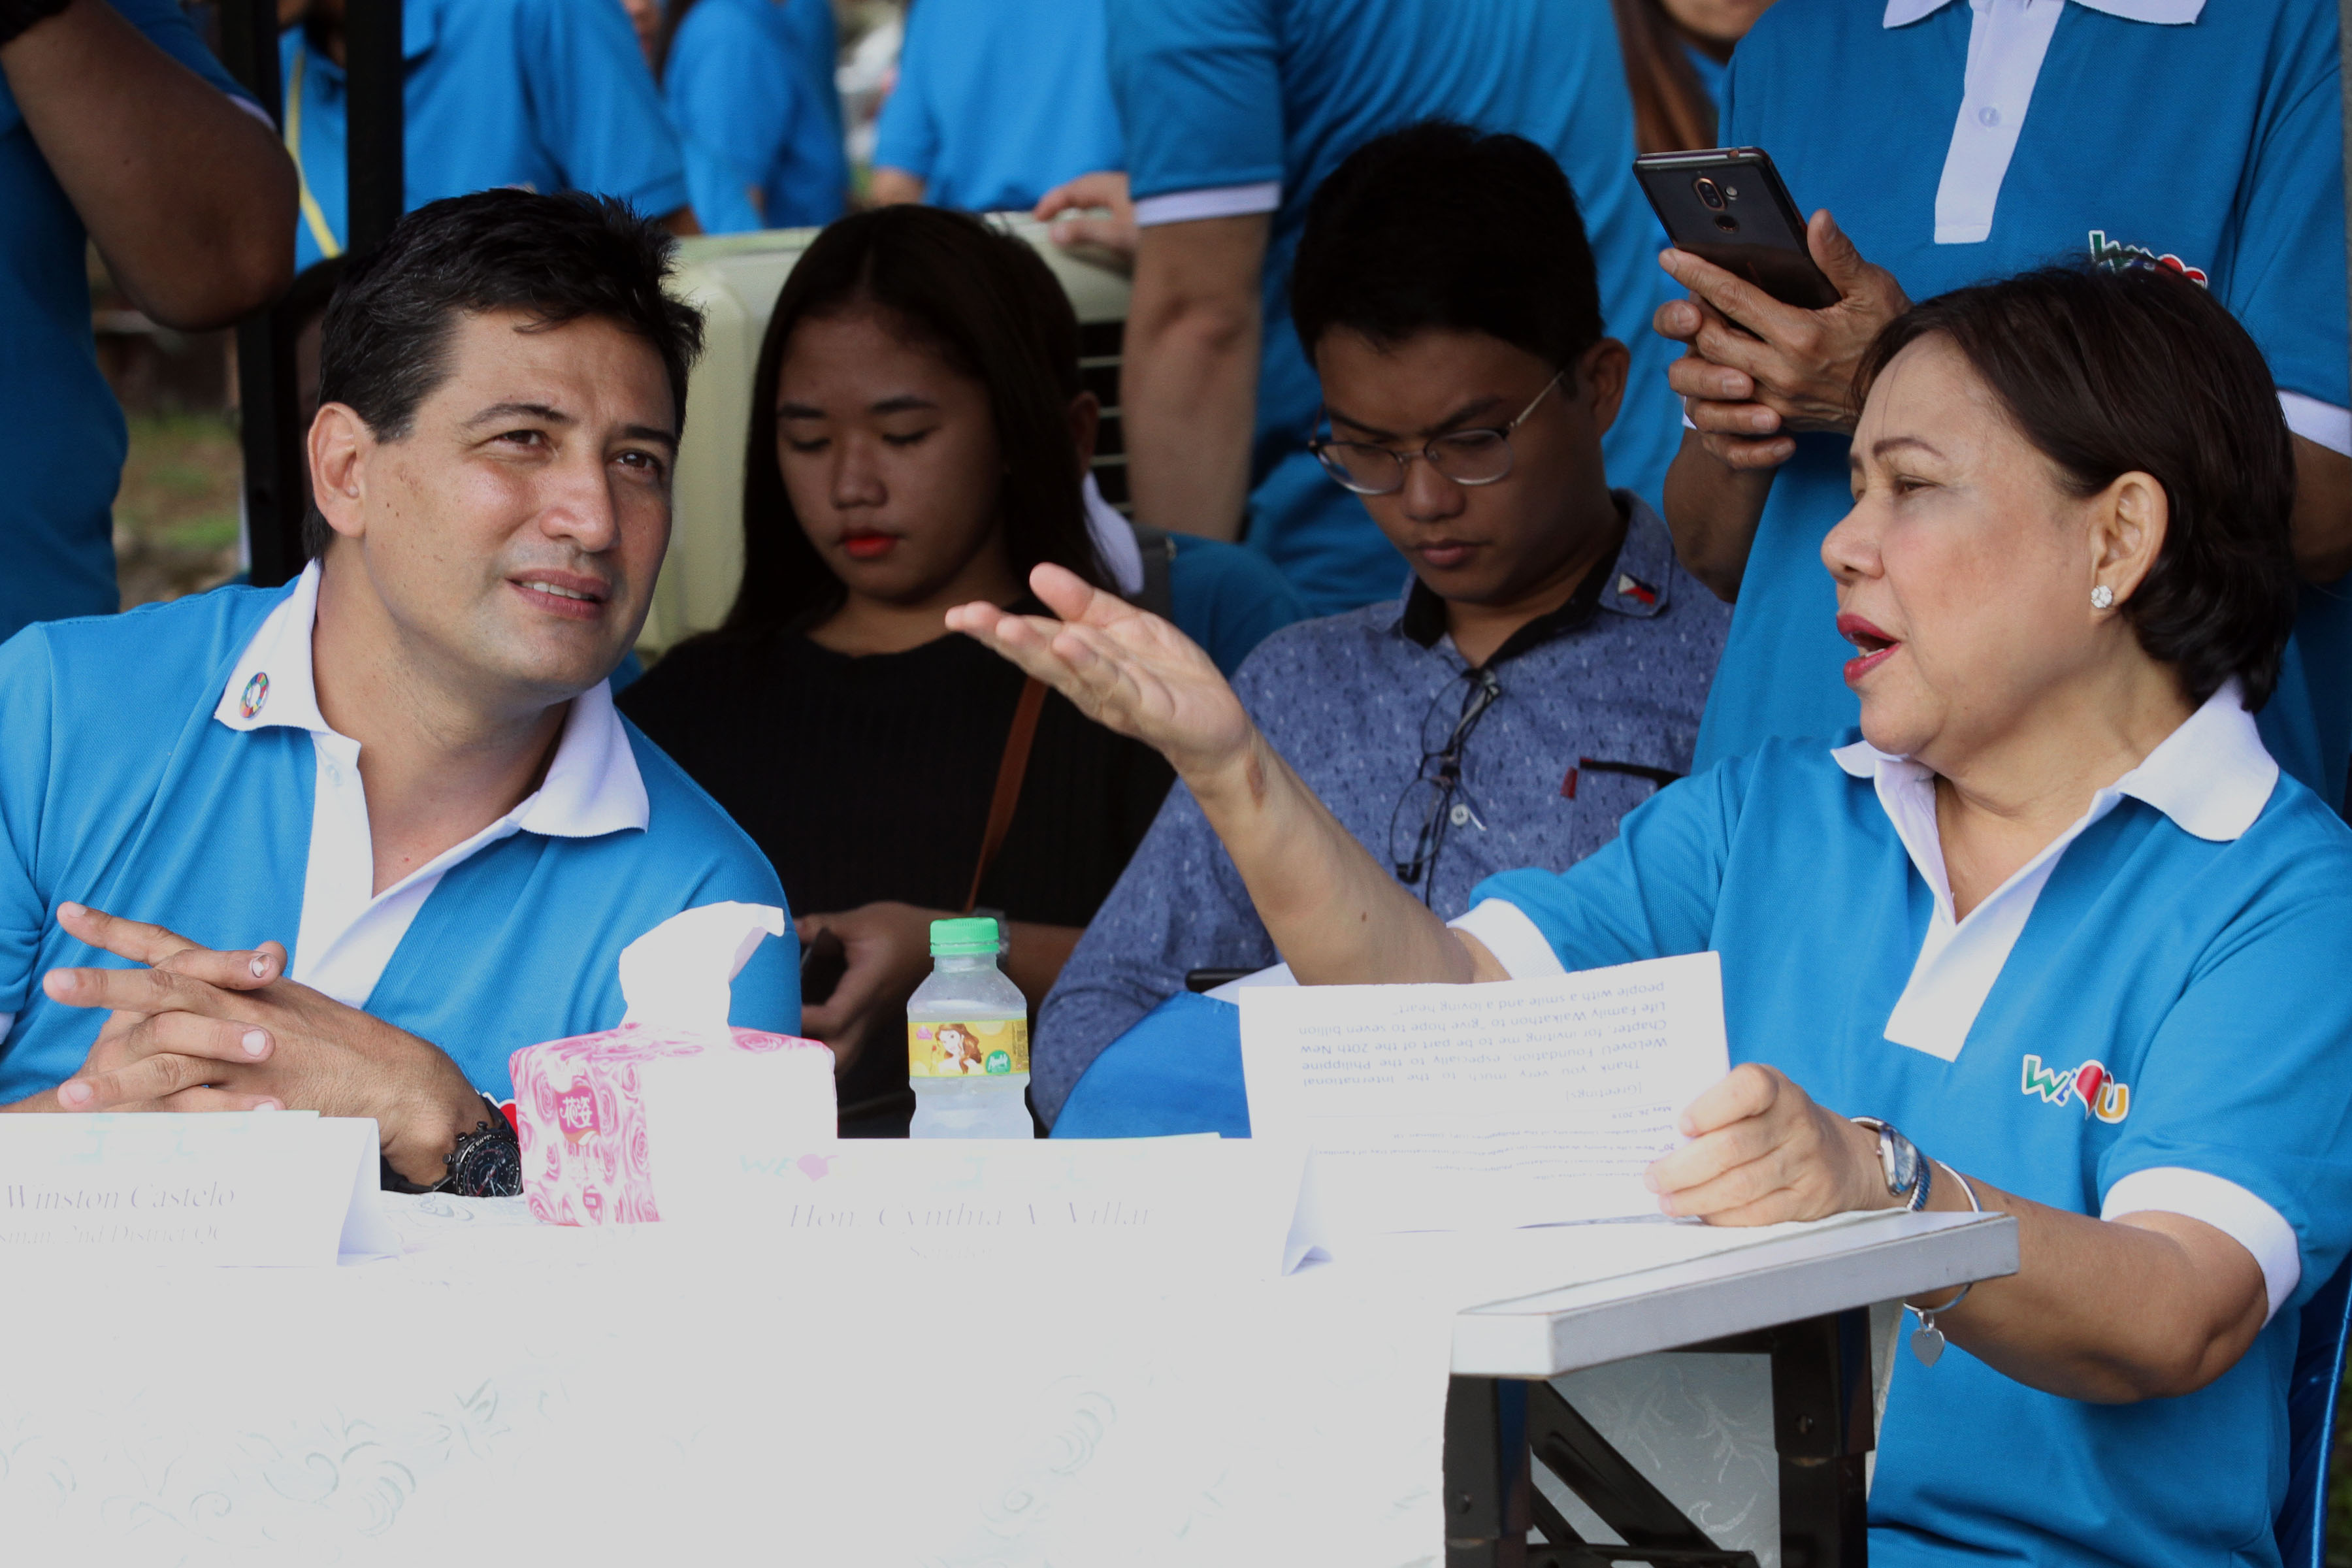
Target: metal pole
[274, 459]
[376, 166]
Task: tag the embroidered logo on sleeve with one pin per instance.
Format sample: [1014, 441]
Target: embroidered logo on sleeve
[2100, 1094]
[2115, 254]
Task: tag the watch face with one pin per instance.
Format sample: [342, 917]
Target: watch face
[487, 1168]
[1906, 1173]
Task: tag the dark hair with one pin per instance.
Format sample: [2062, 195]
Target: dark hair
[2111, 371]
[385, 347]
[1671, 111]
[1436, 225]
[307, 298]
[991, 307]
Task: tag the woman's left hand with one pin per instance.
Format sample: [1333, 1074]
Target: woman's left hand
[1762, 1153]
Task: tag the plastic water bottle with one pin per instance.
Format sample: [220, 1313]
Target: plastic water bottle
[967, 1039]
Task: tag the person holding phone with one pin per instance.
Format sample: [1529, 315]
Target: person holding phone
[1956, 143]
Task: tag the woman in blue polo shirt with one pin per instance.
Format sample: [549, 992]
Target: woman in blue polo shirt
[2057, 915]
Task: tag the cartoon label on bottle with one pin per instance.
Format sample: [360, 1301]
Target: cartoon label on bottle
[985, 1048]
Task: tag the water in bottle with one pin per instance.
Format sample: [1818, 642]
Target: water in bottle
[967, 1039]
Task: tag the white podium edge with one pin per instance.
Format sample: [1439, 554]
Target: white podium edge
[1688, 1303]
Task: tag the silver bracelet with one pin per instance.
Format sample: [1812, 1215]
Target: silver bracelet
[1927, 1340]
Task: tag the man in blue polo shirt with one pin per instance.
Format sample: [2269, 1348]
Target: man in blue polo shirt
[1235, 111]
[115, 126]
[403, 769]
[549, 95]
[1960, 142]
[997, 102]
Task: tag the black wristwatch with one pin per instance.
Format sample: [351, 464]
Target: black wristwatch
[485, 1164]
[16, 15]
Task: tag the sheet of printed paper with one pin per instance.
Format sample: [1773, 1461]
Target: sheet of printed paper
[1472, 1107]
[1197, 1204]
[269, 1189]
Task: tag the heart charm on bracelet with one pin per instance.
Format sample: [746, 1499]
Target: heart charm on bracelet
[1927, 1341]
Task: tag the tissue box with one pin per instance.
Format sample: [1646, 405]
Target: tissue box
[594, 1111]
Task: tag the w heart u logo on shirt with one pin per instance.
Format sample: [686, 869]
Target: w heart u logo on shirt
[2097, 1088]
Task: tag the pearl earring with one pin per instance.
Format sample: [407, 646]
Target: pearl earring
[2102, 597]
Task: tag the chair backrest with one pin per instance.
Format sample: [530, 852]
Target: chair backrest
[734, 280]
[2302, 1524]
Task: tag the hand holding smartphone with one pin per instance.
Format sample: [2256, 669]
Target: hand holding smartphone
[1728, 206]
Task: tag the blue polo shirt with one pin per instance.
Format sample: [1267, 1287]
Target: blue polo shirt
[56, 513]
[2149, 1018]
[998, 101]
[130, 782]
[1225, 98]
[752, 114]
[550, 95]
[2217, 143]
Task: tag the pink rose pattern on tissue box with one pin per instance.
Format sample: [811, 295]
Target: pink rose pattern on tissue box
[581, 1117]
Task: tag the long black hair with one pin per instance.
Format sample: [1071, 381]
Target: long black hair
[989, 304]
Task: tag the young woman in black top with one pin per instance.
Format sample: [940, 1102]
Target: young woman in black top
[912, 447]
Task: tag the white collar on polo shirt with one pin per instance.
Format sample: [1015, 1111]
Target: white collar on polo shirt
[2007, 41]
[348, 930]
[2211, 776]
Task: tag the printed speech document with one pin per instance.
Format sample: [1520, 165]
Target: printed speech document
[1477, 1107]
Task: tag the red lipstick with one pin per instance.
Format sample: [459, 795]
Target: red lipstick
[1876, 647]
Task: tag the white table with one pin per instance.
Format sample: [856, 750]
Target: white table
[506, 1391]
[1803, 1300]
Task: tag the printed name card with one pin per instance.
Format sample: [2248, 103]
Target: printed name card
[1199, 1203]
[1482, 1106]
[269, 1189]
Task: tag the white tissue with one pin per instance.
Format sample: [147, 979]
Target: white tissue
[676, 976]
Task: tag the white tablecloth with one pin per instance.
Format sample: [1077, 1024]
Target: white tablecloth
[506, 1392]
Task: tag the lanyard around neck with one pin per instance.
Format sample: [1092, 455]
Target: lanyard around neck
[313, 214]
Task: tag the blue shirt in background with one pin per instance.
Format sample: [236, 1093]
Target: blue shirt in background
[1220, 94]
[1226, 598]
[1349, 700]
[752, 115]
[2156, 1020]
[57, 510]
[121, 789]
[998, 101]
[2218, 141]
[550, 95]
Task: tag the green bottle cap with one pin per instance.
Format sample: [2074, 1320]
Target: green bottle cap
[972, 933]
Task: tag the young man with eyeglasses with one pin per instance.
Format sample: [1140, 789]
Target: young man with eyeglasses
[1542, 672]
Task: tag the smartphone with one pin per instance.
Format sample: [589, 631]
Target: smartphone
[823, 963]
[1728, 206]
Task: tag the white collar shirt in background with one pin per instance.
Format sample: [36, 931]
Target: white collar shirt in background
[349, 930]
[2007, 41]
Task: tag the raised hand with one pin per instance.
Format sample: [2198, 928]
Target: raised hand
[1125, 668]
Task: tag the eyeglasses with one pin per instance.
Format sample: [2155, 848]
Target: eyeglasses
[1430, 801]
[1466, 457]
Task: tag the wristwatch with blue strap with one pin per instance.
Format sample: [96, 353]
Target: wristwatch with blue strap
[1909, 1174]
